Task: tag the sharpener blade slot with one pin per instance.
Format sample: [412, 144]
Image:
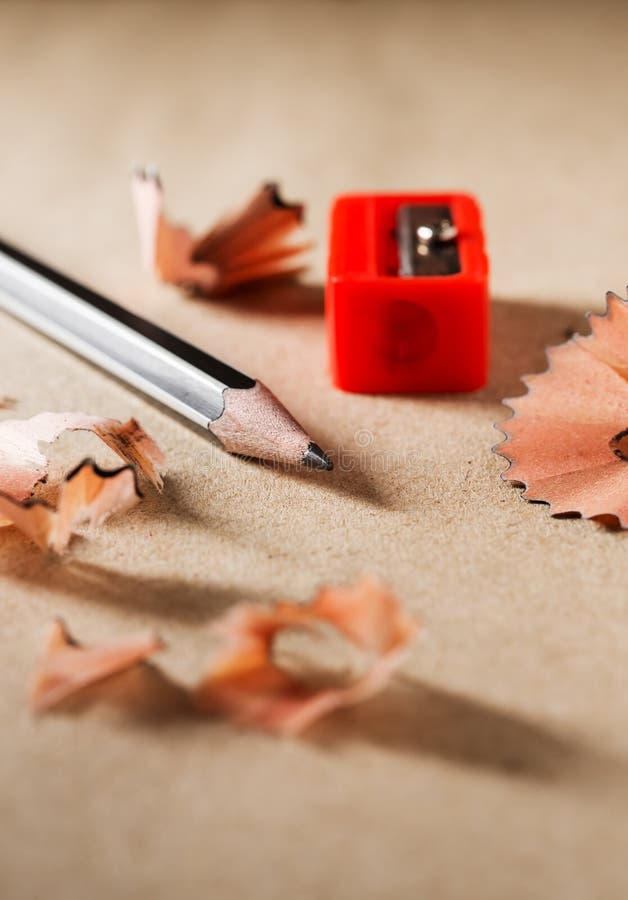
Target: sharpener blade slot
[427, 241]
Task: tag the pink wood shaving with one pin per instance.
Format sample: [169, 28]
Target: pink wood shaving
[23, 465]
[67, 667]
[567, 440]
[88, 496]
[252, 244]
[245, 682]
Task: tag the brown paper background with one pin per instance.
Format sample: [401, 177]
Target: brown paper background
[496, 768]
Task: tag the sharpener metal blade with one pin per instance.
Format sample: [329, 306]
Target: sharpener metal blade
[426, 241]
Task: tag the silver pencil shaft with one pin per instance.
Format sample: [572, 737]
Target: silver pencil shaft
[239, 412]
[103, 339]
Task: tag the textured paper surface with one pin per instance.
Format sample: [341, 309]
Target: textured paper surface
[497, 768]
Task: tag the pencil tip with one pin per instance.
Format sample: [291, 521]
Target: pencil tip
[315, 458]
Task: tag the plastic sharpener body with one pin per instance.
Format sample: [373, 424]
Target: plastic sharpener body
[406, 298]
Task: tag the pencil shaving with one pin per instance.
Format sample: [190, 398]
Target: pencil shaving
[23, 465]
[260, 241]
[567, 441]
[67, 667]
[258, 679]
[88, 497]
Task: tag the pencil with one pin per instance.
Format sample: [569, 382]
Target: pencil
[239, 412]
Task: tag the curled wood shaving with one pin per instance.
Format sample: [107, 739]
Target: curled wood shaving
[255, 243]
[23, 465]
[259, 679]
[67, 667]
[279, 668]
[88, 496]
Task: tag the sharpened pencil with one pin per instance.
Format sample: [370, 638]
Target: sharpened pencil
[238, 411]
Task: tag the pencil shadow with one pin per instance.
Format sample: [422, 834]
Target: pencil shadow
[171, 599]
[351, 483]
[416, 718]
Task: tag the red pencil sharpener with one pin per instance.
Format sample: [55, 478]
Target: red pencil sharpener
[407, 294]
